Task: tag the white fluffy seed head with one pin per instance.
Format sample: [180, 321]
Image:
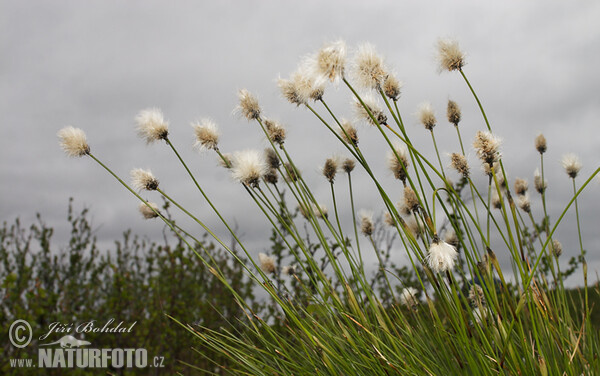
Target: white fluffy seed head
[524, 203]
[427, 116]
[248, 167]
[373, 105]
[143, 179]
[571, 164]
[442, 256]
[398, 161]
[147, 212]
[450, 57]
[539, 183]
[408, 297]
[348, 132]
[366, 223]
[207, 134]
[369, 70]
[267, 263]
[73, 142]
[540, 143]
[521, 186]
[289, 270]
[248, 105]
[151, 125]
[392, 87]
[330, 61]
[487, 147]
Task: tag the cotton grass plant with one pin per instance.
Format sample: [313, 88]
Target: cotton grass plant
[461, 314]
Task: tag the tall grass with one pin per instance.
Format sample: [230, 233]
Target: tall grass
[461, 314]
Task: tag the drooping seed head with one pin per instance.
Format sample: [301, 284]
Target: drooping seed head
[450, 57]
[207, 134]
[329, 169]
[460, 164]
[521, 186]
[272, 159]
[571, 164]
[73, 142]
[267, 263]
[487, 147]
[392, 87]
[427, 116]
[151, 125]
[369, 70]
[366, 223]
[441, 256]
[248, 167]
[348, 132]
[275, 131]
[453, 113]
[524, 203]
[248, 106]
[408, 297]
[143, 179]
[348, 165]
[398, 162]
[410, 199]
[373, 106]
[539, 183]
[330, 61]
[147, 212]
[540, 143]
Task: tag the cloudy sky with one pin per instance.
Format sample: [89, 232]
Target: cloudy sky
[95, 64]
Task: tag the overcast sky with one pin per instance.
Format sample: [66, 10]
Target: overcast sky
[95, 64]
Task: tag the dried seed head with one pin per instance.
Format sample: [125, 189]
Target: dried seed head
[453, 113]
[330, 61]
[442, 256]
[271, 176]
[151, 125]
[487, 147]
[366, 223]
[348, 132]
[373, 106]
[290, 91]
[320, 211]
[539, 183]
[571, 164]
[524, 203]
[225, 160]
[389, 219]
[408, 297]
[248, 106]
[496, 200]
[403, 209]
[275, 131]
[521, 186]
[267, 263]
[207, 134]
[302, 86]
[392, 87]
[272, 159]
[410, 199]
[348, 165]
[450, 57]
[476, 296]
[330, 169]
[73, 142]
[427, 116]
[451, 238]
[398, 162]
[556, 248]
[369, 70]
[143, 179]
[460, 164]
[289, 270]
[248, 167]
[540, 143]
[292, 174]
[147, 212]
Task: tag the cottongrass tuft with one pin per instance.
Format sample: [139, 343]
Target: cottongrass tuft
[540, 143]
[366, 223]
[248, 106]
[147, 212]
[451, 238]
[442, 256]
[303, 86]
[408, 297]
[289, 270]
[411, 201]
[389, 219]
[487, 147]
[73, 142]
[539, 183]
[392, 87]
[267, 263]
[369, 70]
[460, 164]
[348, 165]
[556, 248]
[524, 203]
[330, 61]
[248, 167]
[398, 162]
[372, 105]
[275, 131]
[453, 113]
[225, 160]
[143, 179]
[272, 159]
[329, 169]
[348, 132]
[521, 186]
[571, 164]
[207, 134]
[450, 57]
[427, 116]
[151, 125]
